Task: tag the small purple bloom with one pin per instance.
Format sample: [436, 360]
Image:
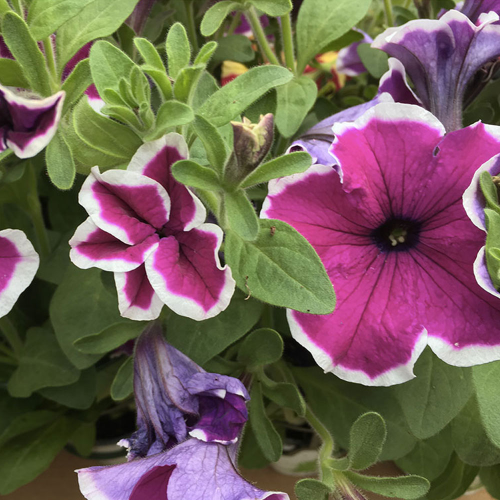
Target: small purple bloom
[28, 125]
[442, 56]
[18, 266]
[397, 244]
[150, 231]
[348, 60]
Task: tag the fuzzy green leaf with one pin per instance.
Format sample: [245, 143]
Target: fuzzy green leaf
[374, 60]
[311, 489]
[241, 215]
[11, 74]
[178, 50]
[262, 347]
[123, 384]
[76, 84]
[215, 16]
[193, 174]
[273, 8]
[60, 165]
[367, 438]
[215, 147]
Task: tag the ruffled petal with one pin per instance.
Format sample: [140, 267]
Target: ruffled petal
[18, 265]
[394, 83]
[186, 273]
[127, 205]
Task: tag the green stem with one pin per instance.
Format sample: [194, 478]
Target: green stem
[50, 58]
[286, 33]
[260, 36]
[388, 12]
[10, 333]
[234, 23]
[191, 26]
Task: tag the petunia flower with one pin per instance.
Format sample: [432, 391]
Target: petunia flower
[149, 230]
[28, 125]
[18, 265]
[391, 230]
[176, 397]
[163, 462]
[348, 60]
[474, 8]
[442, 56]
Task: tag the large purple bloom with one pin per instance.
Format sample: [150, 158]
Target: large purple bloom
[18, 266]
[28, 125]
[442, 56]
[175, 396]
[149, 230]
[397, 244]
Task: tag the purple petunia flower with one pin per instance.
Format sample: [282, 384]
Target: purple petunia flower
[164, 463]
[28, 125]
[348, 60]
[474, 8]
[442, 56]
[149, 230]
[397, 244]
[18, 266]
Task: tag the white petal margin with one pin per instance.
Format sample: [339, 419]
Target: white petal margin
[397, 375]
[40, 141]
[115, 177]
[185, 306]
[473, 199]
[201, 436]
[24, 271]
[481, 273]
[149, 150]
[127, 310]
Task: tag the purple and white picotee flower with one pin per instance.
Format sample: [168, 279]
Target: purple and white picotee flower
[18, 265]
[149, 230]
[390, 228]
[28, 125]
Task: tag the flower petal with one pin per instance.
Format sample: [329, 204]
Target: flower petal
[394, 82]
[474, 8]
[155, 159]
[348, 60]
[186, 273]
[93, 247]
[127, 205]
[33, 122]
[18, 265]
[482, 275]
[136, 298]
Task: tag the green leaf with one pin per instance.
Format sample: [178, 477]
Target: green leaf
[350, 37]
[149, 53]
[178, 50]
[186, 82]
[82, 306]
[83, 439]
[234, 48]
[46, 16]
[266, 435]
[110, 339]
[311, 489]
[11, 74]
[320, 23]
[140, 87]
[232, 99]
[215, 147]
[98, 19]
[273, 8]
[206, 53]
[292, 163]
[171, 114]
[206, 86]
[486, 383]
[79, 395]
[435, 396]
[192, 174]
[262, 347]
[285, 395]
[406, 487]
[280, 268]
[4, 7]
[429, 457]
[250, 455]
[42, 364]
[202, 340]
[367, 438]
[490, 477]
[24, 48]
[346, 402]
[60, 165]
[123, 114]
[492, 251]
[161, 80]
[241, 215]
[123, 384]
[108, 65]
[489, 190]
[374, 60]
[103, 134]
[295, 99]
[215, 16]
[26, 423]
[470, 441]
[30, 454]
[76, 84]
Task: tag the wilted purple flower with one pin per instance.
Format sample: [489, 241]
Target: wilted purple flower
[390, 227]
[18, 265]
[150, 231]
[442, 56]
[175, 397]
[348, 60]
[28, 125]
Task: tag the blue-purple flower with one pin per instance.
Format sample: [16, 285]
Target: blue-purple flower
[188, 423]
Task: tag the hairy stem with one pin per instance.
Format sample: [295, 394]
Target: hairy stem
[260, 36]
[286, 33]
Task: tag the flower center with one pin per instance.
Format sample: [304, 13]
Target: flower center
[396, 235]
